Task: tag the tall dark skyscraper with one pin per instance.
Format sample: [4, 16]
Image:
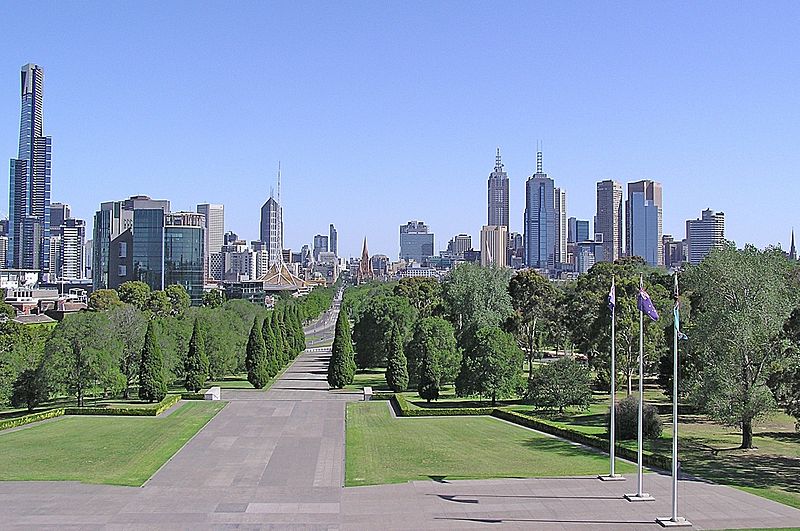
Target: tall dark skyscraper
[498, 194]
[29, 186]
[540, 219]
[333, 240]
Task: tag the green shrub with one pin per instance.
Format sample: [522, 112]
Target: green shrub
[33, 417]
[627, 415]
[407, 409]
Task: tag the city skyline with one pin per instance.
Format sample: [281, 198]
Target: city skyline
[126, 147]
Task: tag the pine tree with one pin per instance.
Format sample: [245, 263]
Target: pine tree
[196, 363]
[396, 366]
[256, 358]
[429, 385]
[341, 367]
[279, 320]
[273, 361]
[299, 334]
[280, 347]
[152, 385]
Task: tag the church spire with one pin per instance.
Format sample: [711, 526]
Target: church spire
[498, 163]
[792, 249]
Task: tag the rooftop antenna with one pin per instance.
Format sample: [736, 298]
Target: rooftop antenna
[498, 164]
[539, 156]
[279, 183]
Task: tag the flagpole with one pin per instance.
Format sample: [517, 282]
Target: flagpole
[613, 476]
[675, 520]
[640, 495]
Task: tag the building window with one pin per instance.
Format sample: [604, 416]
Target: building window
[122, 270]
[123, 249]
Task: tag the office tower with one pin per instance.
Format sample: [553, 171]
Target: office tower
[72, 234]
[458, 245]
[229, 237]
[560, 208]
[674, 251]
[704, 234]
[416, 243]
[214, 229]
[113, 241]
[183, 243]
[516, 250]
[58, 213]
[609, 220]
[272, 229]
[498, 194]
[540, 219]
[578, 230]
[643, 212]
[494, 244]
[333, 240]
[29, 186]
[88, 253]
[320, 245]
[3, 231]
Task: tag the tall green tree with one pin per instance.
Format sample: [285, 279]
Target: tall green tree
[274, 360]
[158, 302]
[214, 298]
[152, 384]
[256, 358]
[196, 364]
[134, 292]
[741, 301]
[282, 334]
[433, 339]
[424, 294]
[342, 367]
[128, 327]
[104, 299]
[559, 384]
[490, 365]
[31, 388]
[429, 377]
[179, 299]
[371, 332]
[533, 299]
[396, 365]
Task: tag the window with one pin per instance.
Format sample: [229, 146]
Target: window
[123, 249]
[122, 271]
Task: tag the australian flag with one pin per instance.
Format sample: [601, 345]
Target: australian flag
[645, 304]
[612, 297]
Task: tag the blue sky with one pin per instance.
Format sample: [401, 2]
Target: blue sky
[385, 112]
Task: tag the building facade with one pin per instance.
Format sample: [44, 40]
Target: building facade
[643, 219]
[333, 240]
[29, 183]
[560, 210]
[704, 234]
[540, 219]
[609, 219]
[184, 252]
[320, 245]
[578, 230]
[214, 228]
[416, 243]
[458, 245]
[497, 186]
[494, 245]
[272, 230]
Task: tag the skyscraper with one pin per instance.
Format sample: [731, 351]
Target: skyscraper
[183, 242]
[333, 240]
[320, 245]
[643, 213]
[214, 228]
[29, 187]
[272, 225]
[578, 230]
[494, 244]
[540, 219]
[609, 220]
[704, 234]
[458, 245]
[560, 210]
[498, 194]
[416, 243]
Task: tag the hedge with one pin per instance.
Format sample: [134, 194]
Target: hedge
[33, 417]
[149, 411]
[193, 396]
[382, 396]
[407, 409]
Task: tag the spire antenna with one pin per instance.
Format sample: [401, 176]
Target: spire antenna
[498, 163]
[539, 157]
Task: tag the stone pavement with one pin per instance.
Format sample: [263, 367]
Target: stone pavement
[276, 460]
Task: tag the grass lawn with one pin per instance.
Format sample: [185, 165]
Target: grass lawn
[112, 450]
[381, 449]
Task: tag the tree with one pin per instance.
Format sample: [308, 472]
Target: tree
[490, 365]
[152, 385]
[282, 334]
[429, 377]
[300, 334]
[741, 300]
[561, 383]
[104, 299]
[196, 364]
[627, 420]
[128, 327]
[179, 299]
[213, 298]
[342, 365]
[5, 308]
[532, 297]
[373, 325]
[476, 297]
[256, 358]
[396, 366]
[134, 292]
[158, 302]
[424, 294]
[433, 339]
[30, 388]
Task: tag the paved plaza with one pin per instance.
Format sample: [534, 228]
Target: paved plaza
[276, 459]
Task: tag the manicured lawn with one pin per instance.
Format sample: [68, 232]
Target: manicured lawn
[113, 450]
[381, 449]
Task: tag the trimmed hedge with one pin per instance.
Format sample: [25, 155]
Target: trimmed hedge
[407, 409]
[33, 417]
[382, 396]
[193, 396]
[149, 411]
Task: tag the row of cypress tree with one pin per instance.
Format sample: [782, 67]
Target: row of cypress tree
[273, 343]
[342, 365]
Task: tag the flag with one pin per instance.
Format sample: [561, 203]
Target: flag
[676, 313]
[645, 304]
[612, 296]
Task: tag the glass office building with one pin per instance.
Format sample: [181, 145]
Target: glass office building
[184, 252]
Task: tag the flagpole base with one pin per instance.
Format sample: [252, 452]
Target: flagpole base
[609, 477]
[643, 497]
[668, 521]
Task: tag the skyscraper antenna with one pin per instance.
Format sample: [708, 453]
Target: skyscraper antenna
[498, 164]
[539, 156]
[279, 183]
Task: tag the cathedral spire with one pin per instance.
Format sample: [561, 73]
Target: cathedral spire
[792, 249]
[498, 163]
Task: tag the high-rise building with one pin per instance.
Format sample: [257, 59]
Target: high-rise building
[272, 229]
[560, 209]
[229, 237]
[704, 234]
[609, 220]
[214, 228]
[183, 242]
[674, 251]
[494, 244]
[333, 240]
[578, 230]
[458, 245]
[540, 219]
[29, 187]
[416, 243]
[643, 212]
[72, 233]
[498, 194]
[516, 250]
[320, 245]
[58, 213]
